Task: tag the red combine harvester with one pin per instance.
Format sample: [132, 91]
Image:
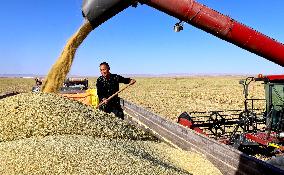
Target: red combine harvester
[252, 130]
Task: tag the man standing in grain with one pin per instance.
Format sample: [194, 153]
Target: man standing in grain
[108, 84]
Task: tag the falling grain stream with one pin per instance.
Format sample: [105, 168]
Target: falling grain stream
[60, 69]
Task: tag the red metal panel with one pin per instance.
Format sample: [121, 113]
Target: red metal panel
[275, 77]
[190, 125]
[199, 130]
[262, 138]
[222, 26]
[185, 122]
[258, 138]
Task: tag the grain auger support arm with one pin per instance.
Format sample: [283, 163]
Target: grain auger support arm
[198, 15]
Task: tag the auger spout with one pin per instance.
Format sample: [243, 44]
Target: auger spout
[99, 11]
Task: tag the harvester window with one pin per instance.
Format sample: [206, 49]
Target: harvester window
[277, 97]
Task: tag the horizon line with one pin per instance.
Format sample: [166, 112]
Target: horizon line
[135, 75]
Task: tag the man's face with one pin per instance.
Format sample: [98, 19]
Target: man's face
[104, 70]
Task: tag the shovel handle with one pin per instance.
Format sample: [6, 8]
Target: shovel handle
[101, 103]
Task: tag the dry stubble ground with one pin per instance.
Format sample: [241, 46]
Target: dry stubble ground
[169, 97]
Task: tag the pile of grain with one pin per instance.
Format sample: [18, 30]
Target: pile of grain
[49, 134]
[84, 155]
[40, 114]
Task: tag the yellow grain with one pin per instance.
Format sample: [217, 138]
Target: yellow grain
[60, 69]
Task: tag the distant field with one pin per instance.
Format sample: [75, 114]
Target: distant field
[169, 97]
[16, 84]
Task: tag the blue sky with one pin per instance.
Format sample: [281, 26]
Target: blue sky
[137, 41]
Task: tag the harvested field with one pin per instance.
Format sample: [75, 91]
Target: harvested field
[16, 84]
[169, 97]
[49, 134]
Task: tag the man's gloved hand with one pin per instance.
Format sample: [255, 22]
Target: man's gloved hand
[104, 101]
[102, 105]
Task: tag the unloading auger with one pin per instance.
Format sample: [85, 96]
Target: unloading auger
[198, 15]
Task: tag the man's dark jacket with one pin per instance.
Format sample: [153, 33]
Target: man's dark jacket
[107, 87]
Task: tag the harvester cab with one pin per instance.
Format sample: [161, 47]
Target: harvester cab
[274, 96]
